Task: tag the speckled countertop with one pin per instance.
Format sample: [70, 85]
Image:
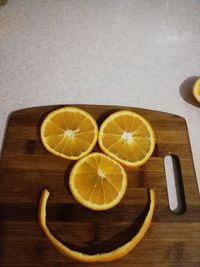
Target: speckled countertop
[137, 53]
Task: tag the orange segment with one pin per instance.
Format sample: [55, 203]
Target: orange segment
[98, 182]
[100, 257]
[127, 137]
[196, 90]
[69, 132]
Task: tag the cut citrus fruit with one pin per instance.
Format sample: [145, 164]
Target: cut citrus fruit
[69, 132]
[98, 182]
[101, 257]
[196, 90]
[127, 137]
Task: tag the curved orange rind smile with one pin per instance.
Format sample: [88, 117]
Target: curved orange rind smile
[103, 257]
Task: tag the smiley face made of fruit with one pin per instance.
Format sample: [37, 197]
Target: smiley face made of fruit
[97, 180]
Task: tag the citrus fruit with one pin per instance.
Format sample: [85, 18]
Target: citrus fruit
[97, 181]
[196, 90]
[127, 137]
[69, 132]
[101, 257]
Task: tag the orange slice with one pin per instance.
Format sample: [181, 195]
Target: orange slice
[69, 132]
[196, 90]
[103, 257]
[127, 137]
[98, 182]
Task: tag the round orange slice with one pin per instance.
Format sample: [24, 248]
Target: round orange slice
[101, 257]
[98, 182]
[196, 90]
[69, 132]
[127, 137]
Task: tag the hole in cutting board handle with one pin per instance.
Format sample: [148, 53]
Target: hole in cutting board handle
[175, 188]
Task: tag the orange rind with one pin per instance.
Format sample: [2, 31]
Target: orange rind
[101, 257]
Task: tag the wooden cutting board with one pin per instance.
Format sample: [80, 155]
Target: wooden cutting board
[26, 167]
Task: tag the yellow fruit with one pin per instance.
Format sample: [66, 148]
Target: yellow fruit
[103, 257]
[98, 182]
[196, 90]
[127, 137]
[69, 132]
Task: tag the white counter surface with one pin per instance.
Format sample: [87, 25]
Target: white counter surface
[131, 53]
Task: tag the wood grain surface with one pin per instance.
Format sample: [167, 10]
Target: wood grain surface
[26, 167]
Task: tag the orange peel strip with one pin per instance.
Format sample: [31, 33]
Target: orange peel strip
[103, 257]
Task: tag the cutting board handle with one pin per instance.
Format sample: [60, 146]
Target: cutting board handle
[175, 186]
